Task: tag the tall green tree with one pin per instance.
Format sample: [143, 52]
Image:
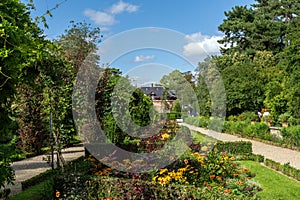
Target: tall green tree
[263, 26]
[21, 47]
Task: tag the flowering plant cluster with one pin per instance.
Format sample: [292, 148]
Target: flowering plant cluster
[211, 170]
[165, 131]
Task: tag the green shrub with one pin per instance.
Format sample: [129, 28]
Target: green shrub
[199, 121]
[216, 124]
[285, 168]
[291, 135]
[234, 148]
[235, 128]
[173, 115]
[260, 130]
[251, 156]
[284, 117]
[37, 179]
[247, 116]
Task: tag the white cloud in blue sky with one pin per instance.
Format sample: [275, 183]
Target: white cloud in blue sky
[201, 45]
[143, 58]
[107, 18]
[122, 6]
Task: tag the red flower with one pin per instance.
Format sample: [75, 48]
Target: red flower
[227, 191]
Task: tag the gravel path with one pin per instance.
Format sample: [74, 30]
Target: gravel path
[28, 168]
[278, 154]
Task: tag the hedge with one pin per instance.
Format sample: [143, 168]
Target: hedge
[46, 175]
[234, 148]
[285, 168]
[173, 115]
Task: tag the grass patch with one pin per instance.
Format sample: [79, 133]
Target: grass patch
[200, 138]
[35, 192]
[275, 185]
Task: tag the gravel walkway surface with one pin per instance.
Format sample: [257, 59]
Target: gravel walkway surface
[278, 154]
[28, 168]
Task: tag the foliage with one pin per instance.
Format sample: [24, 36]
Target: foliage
[291, 135]
[21, 47]
[287, 169]
[284, 117]
[183, 85]
[259, 60]
[212, 170]
[176, 106]
[139, 108]
[263, 26]
[199, 121]
[247, 116]
[78, 41]
[245, 78]
[116, 188]
[234, 148]
[202, 87]
[258, 130]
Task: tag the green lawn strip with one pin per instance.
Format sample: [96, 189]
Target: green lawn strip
[199, 137]
[34, 193]
[274, 185]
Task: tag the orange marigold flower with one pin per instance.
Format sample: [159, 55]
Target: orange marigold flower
[186, 161]
[227, 191]
[212, 176]
[244, 170]
[57, 194]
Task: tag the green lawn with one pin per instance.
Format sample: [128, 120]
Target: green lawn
[34, 193]
[275, 186]
[201, 138]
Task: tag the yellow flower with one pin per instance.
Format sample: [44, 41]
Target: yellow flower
[165, 136]
[154, 178]
[161, 171]
[204, 148]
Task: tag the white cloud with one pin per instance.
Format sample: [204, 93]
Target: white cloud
[122, 6]
[108, 18]
[100, 18]
[201, 45]
[143, 58]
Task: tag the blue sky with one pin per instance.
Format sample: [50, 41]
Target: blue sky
[196, 21]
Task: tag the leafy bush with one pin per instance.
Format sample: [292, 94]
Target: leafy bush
[216, 124]
[291, 135]
[234, 148]
[235, 128]
[247, 116]
[116, 188]
[173, 115]
[250, 156]
[285, 168]
[199, 121]
[258, 130]
[284, 117]
[37, 179]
